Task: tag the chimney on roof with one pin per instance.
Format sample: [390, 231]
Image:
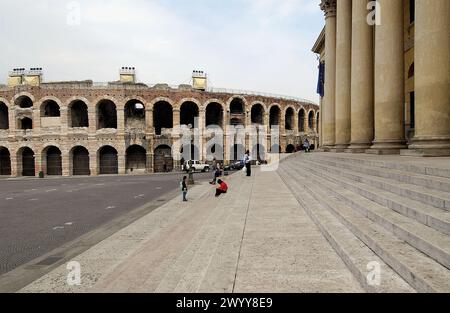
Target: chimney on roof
[199, 80]
[128, 75]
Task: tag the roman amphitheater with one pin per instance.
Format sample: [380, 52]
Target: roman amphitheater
[124, 127]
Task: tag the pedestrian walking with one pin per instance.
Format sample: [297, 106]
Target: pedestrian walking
[248, 163]
[214, 171]
[306, 145]
[223, 188]
[184, 188]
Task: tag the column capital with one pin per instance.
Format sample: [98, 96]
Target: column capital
[329, 7]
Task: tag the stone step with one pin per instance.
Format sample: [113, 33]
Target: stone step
[356, 255]
[423, 238]
[427, 181]
[386, 162]
[427, 215]
[419, 270]
[438, 199]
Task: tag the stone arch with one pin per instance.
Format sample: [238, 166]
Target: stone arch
[301, 120]
[5, 161]
[108, 161]
[106, 114]
[50, 108]
[214, 113]
[163, 159]
[4, 116]
[26, 164]
[52, 160]
[134, 113]
[162, 116]
[311, 117]
[257, 113]
[237, 105]
[189, 111]
[274, 115]
[78, 113]
[79, 161]
[18, 99]
[184, 100]
[289, 118]
[136, 159]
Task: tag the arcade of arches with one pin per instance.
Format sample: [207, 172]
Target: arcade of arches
[102, 136]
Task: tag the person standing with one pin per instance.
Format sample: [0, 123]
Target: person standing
[214, 170]
[248, 163]
[184, 188]
[306, 145]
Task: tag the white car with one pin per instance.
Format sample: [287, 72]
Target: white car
[197, 166]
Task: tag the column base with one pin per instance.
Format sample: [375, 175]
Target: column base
[328, 148]
[340, 148]
[358, 148]
[434, 146]
[387, 147]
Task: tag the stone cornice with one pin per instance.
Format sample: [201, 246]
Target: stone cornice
[329, 7]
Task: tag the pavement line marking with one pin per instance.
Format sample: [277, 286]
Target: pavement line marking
[69, 224]
[110, 207]
[58, 227]
[50, 190]
[138, 196]
[33, 199]
[158, 188]
[9, 199]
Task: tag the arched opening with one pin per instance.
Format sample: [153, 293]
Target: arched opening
[237, 106]
[52, 161]
[290, 149]
[50, 109]
[215, 151]
[78, 114]
[311, 120]
[136, 159]
[237, 152]
[26, 162]
[289, 120]
[214, 114]
[162, 116]
[25, 123]
[106, 115]
[5, 162]
[259, 153]
[24, 102]
[163, 162]
[318, 122]
[275, 114]
[108, 161]
[188, 112]
[80, 161]
[4, 117]
[134, 115]
[257, 114]
[301, 121]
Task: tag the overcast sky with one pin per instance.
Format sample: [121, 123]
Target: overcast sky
[260, 45]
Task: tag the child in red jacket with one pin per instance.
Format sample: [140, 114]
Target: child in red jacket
[223, 188]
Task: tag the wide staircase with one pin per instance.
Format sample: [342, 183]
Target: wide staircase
[390, 211]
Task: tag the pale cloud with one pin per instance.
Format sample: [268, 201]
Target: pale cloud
[261, 45]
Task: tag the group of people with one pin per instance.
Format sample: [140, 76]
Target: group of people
[222, 187]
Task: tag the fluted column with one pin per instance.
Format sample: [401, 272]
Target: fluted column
[329, 116]
[362, 110]
[343, 73]
[389, 80]
[432, 78]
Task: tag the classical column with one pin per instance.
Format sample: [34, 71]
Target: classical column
[362, 110]
[432, 79]
[389, 80]
[329, 116]
[343, 73]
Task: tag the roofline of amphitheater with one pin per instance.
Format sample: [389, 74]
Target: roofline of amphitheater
[89, 84]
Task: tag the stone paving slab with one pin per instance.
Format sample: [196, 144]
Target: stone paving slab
[256, 238]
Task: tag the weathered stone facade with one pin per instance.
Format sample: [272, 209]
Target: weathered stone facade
[81, 128]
